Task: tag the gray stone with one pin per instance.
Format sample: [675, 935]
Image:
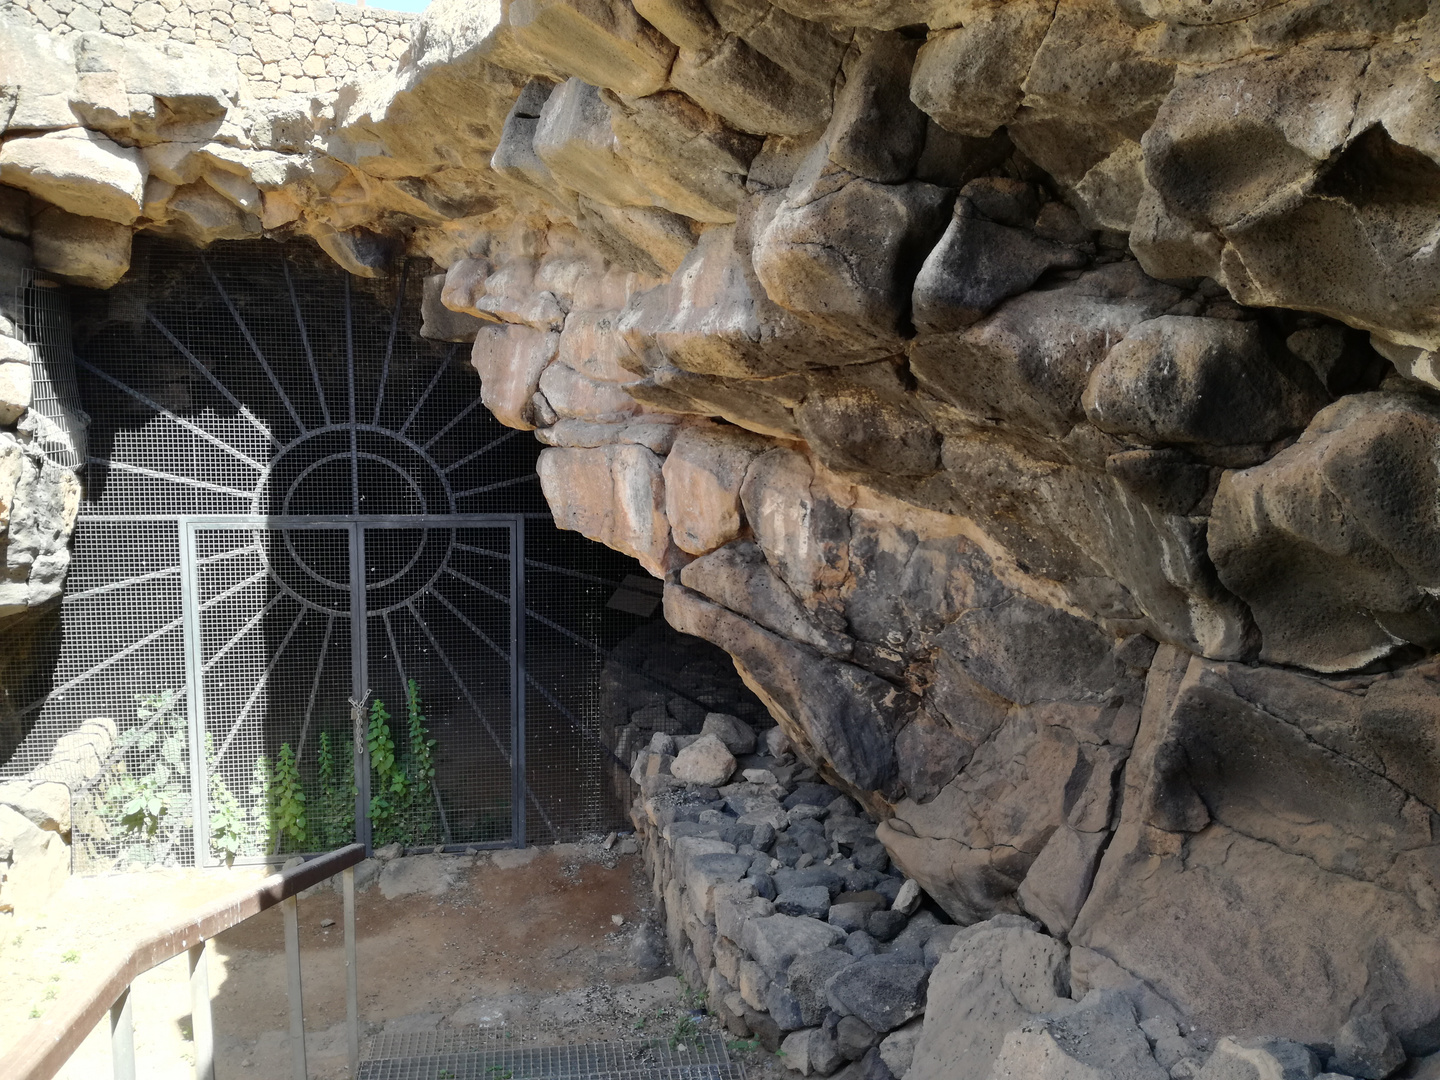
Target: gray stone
[738, 736]
[897, 1049]
[1098, 1038]
[850, 917]
[784, 1008]
[854, 1037]
[886, 925]
[813, 901]
[806, 979]
[1251, 1059]
[1180, 379]
[882, 993]
[776, 941]
[705, 761]
[999, 974]
[1366, 1047]
[908, 898]
[860, 944]
[813, 1051]
[978, 264]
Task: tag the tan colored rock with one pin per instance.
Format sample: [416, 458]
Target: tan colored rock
[997, 975]
[573, 395]
[591, 344]
[15, 379]
[693, 162]
[37, 79]
[577, 144]
[603, 42]
[614, 494]
[45, 805]
[751, 91]
[79, 171]
[41, 863]
[202, 215]
[969, 78]
[703, 474]
[648, 239]
[510, 360]
[88, 251]
[705, 761]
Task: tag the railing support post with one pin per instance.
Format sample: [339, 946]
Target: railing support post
[352, 975]
[291, 908]
[122, 1037]
[202, 1026]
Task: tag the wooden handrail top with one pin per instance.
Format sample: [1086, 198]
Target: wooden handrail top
[43, 1051]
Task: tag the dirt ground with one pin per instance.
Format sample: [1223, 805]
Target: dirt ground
[530, 945]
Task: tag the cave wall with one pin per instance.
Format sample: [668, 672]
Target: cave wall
[1037, 401]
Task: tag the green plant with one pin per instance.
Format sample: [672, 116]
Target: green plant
[34, 1012]
[70, 956]
[148, 796]
[289, 796]
[742, 1046]
[403, 806]
[231, 830]
[499, 1072]
[333, 822]
[445, 1074]
[387, 780]
[685, 1029]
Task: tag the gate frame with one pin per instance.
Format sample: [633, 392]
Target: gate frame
[355, 526]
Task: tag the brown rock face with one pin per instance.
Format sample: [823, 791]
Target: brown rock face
[946, 358]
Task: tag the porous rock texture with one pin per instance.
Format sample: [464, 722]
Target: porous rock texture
[1035, 399]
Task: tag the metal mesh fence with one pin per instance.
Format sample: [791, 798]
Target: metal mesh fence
[273, 444]
[60, 424]
[478, 1055]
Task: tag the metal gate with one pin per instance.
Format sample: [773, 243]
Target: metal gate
[299, 585]
[297, 628]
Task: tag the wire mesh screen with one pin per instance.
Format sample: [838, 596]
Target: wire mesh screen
[111, 660]
[60, 424]
[273, 446]
[273, 614]
[245, 381]
[438, 606]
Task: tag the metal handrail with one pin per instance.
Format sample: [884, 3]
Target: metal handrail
[45, 1049]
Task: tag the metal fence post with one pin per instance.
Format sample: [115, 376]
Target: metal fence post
[291, 908]
[352, 974]
[202, 1027]
[122, 1037]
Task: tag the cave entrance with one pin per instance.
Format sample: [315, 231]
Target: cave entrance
[308, 562]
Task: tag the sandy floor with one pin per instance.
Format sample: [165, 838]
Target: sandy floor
[525, 944]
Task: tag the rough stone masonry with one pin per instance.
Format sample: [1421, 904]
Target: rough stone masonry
[1037, 399]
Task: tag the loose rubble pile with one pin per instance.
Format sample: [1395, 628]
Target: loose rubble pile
[658, 680]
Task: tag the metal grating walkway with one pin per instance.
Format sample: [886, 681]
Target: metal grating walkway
[466, 1056]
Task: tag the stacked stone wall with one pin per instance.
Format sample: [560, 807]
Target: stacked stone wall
[280, 47]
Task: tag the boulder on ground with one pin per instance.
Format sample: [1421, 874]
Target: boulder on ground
[705, 761]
